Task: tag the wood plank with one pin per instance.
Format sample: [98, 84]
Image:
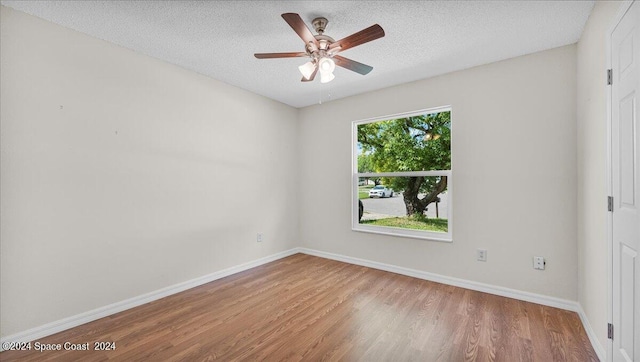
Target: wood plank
[308, 308]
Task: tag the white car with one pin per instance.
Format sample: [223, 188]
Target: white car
[380, 191]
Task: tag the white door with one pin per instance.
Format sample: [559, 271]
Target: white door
[625, 63]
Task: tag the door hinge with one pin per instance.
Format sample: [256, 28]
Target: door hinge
[610, 203]
[609, 76]
[610, 331]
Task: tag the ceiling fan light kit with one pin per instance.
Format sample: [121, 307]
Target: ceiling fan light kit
[307, 69]
[326, 77]
[327, 66]
[322, 49]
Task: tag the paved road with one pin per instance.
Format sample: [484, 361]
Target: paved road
[375, 208]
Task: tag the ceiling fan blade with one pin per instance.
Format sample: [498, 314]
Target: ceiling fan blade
[363, 36]
[298, 25]
[313, 75]
[352, 65]
[279, 55]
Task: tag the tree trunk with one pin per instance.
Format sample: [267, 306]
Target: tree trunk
[413, 203]
[410, 195]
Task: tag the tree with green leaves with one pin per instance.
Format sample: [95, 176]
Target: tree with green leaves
[365, 164]
[416, 143]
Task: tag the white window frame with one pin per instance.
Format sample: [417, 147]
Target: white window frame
[387, 230]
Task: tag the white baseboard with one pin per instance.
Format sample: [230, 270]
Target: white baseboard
[600, 350]
[92, 315]
[481, 287]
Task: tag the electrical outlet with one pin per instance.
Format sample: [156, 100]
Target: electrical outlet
[482, 255]
[259, 238]
[538, 262]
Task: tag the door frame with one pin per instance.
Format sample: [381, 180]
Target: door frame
[622, 10]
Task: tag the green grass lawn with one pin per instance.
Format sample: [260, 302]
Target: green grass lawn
[363, 192]
[438, 225]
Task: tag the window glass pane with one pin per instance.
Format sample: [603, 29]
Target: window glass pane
[419, 203]
[415, 143]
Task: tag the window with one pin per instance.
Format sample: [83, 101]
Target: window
[402, 175]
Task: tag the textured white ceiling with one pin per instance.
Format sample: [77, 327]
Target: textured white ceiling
[423, 38]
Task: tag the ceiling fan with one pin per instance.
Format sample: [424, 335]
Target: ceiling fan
[323, 50]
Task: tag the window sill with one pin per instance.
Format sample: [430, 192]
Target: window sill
[405, 233]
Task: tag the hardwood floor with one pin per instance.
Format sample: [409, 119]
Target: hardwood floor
[308, 308]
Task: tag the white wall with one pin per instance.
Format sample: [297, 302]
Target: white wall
[514, 174]
[592, 152]
[122, 174]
